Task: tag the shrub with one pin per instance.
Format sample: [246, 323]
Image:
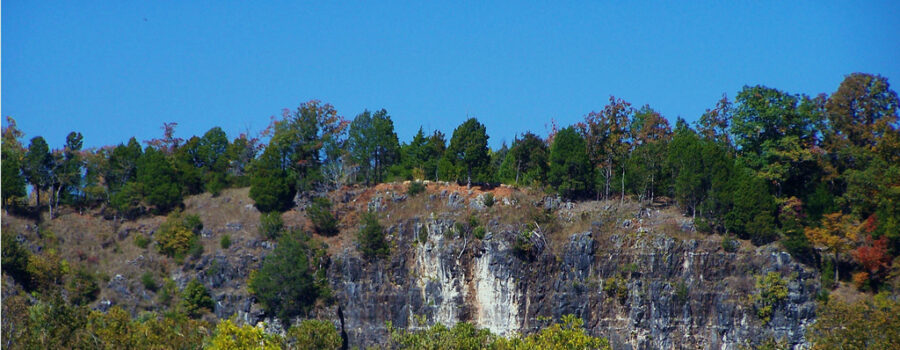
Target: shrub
[149, 282]
[371, 237]
[861, 280]
[270, 225]
[288, 283]
[616, 286]
[82, 287]
[169, 291]
[771, 291]
[315, 334]
[568, 334]
[415, 188]
[15, 257]
[729, 244]
[192, 222]
[178, 236]
[322, 219]
[141, 241]
[865, 324]
[230, 336]
[523, 247]
[195, 299]
[45, 271]
[215, 183]
[479, 232]
[828, 273]
[225, 242]
[463, 336]
[681, 292]
[488, 199]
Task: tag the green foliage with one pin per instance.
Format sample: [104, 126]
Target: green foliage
[127, 201]
[324, 222]
[54, 324]
[438, 337]
[15, 257]
[149, 281]
[141, 241]
[289, 283]
[315, 334]
[647, 173]
[179, 235]
[526, 162]
[46, 271]
[752, 215]
[681, 292]
[294, 156]
[523, 247]
[567, 334]
[467, 155]
[37, 166]
[570, 172]
[270, 225]
[12, 161]
[773, 131]
[415, 188]
[195, 299]
[82, 287]
[372, 144]
[158, 180]
[617, 287]
[771, 292]
[370, 239]
[865, 324]
[13, 181]
[169, 291]
[225, 242]
[270, 187]
[828, 273]
[479, 232]
[488, 199]
[228, 336]
[729, 244]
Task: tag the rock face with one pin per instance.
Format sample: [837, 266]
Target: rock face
[640, 290]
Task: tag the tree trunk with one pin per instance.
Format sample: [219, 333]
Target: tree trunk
[836, 269]
[468, 178]
[50, 202]
[518, 166]
[623, 185]
[37, 191]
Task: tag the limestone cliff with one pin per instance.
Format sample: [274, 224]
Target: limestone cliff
[667, 293]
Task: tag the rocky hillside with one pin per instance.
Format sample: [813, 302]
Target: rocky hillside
[637, 275]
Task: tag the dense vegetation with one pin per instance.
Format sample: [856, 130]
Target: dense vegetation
[818, 174]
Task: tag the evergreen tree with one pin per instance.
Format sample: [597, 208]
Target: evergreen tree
[286, 285]
[37, 166]
[270, 185]
[570, 170]
[373, 144]
[13, 186]
[158, 181]
[371, 237]
[527, 160]
[468, 152]
[122, 165]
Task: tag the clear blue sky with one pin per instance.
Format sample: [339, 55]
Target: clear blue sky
[116, 69]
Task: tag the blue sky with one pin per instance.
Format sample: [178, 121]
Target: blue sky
[117, 69]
